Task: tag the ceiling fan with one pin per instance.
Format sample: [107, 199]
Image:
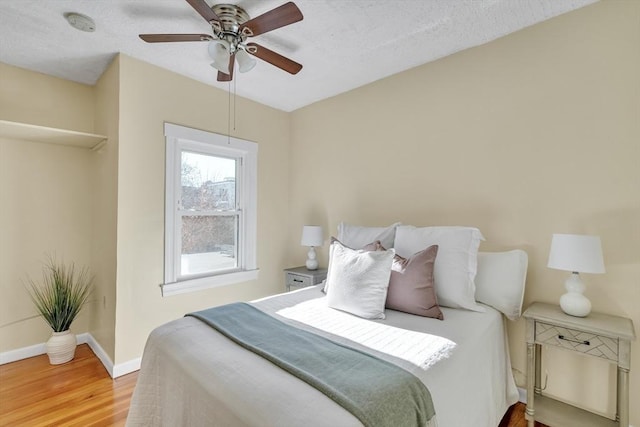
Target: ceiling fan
[231, 27]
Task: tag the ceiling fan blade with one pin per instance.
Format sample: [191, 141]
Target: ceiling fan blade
[204, 10]
[222, 77]
[161, 38]
[274, 58]
[283, 15]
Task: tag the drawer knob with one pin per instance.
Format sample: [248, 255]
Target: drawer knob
[562, 337]
[298, 280]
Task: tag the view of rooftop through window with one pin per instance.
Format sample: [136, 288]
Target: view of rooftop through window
[204, 167]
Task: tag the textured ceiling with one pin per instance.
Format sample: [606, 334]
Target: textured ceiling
[342, 44]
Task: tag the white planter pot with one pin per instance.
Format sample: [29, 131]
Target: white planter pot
[61, 347]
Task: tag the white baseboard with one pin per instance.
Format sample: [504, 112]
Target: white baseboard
[22, 353]
[126, 368]
[83, 338]
[34, 350]
[100, 353]
[522, 395]
[114, 371]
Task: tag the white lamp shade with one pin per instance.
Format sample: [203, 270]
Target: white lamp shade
[245, 62]
[219, 52]
[312, 235]
[575, 252]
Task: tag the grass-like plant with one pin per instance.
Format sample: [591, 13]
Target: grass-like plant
[61, 294]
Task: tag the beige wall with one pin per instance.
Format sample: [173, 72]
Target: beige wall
[150, 96]
[111, 202]
[45, 196]
[532, 134]
[35, 98]
[104, 210]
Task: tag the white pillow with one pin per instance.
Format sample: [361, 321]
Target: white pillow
[357, 281]
[456, 263]
[356, 236]
[500, 281]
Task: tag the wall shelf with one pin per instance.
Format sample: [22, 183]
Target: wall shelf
[29, 132]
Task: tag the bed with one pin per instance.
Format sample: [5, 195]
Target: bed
[192, 375]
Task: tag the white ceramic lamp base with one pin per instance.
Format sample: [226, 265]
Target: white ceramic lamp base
[312, 262]
[574, 303]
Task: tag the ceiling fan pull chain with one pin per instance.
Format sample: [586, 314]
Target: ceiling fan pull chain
[229, 114]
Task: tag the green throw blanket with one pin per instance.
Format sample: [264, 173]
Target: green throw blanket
[375, 391]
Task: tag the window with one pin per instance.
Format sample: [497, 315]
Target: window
[210, 212]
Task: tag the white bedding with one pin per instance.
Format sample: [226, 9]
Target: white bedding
[410, 349]
[192, 375]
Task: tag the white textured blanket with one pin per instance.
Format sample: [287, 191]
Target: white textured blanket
[407, 348]
[192, 375]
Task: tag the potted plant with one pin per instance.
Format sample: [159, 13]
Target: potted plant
[59, 297]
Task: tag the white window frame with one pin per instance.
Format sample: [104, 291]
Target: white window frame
[179, 138]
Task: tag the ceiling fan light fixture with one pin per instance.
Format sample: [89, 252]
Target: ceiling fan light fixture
[219, 52]
[231, 27]
[245, 62]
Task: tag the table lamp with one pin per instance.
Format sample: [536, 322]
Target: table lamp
[311, 236]
[577, 254]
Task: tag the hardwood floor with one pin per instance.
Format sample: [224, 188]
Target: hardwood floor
[80, 393]
[515, 417]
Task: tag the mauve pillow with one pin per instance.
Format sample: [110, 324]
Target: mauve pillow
[411, 286]
[456, 265]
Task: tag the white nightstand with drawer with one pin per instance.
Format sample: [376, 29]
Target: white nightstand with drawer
[598, 335]
[300, 277]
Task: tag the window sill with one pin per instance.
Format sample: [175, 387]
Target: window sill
[192, 285]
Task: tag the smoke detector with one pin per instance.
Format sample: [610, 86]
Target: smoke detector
[80, 22]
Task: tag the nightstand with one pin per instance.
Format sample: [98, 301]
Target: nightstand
[597, 335]
[300, 277]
